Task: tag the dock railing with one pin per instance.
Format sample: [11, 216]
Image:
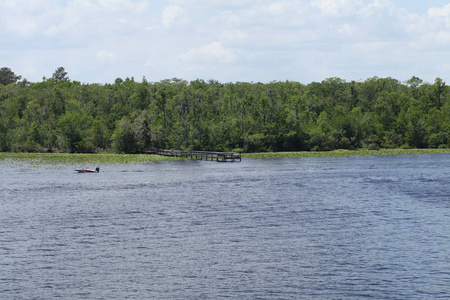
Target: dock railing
[202, 155]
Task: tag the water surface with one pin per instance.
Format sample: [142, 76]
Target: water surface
[324, 228]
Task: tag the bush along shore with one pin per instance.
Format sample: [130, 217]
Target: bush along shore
[61, 115]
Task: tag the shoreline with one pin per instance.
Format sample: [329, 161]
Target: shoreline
[103, 158]
[344, 153]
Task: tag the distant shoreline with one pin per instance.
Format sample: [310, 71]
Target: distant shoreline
[104, 158]
[344, 153]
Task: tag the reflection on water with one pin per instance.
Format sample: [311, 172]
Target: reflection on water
[270, 229]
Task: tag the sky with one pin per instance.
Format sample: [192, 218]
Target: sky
[97, 41]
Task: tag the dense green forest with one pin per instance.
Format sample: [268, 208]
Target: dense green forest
[62, 115]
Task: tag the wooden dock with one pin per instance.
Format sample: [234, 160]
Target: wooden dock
[202, 155]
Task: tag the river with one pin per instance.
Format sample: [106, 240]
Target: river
[304, 228]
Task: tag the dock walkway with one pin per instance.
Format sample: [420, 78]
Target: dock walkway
[202, 155]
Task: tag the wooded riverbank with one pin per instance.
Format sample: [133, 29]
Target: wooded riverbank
[60, 115]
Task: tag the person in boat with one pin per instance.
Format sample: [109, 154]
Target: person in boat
[97, 169]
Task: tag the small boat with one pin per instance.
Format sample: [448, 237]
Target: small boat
[88, 170]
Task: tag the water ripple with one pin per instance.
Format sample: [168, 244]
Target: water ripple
[350, 228]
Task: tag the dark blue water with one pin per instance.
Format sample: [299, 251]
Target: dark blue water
[348, 228]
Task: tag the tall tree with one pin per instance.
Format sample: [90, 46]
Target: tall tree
[60, 74]
[7, 76]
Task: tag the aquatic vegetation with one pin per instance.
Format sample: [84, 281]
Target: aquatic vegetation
[103, 158]
[82, 159]
[343, 153]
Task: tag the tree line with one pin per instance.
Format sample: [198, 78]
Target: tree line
[59, 114]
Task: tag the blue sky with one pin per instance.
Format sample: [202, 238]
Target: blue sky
[420, 6]
[97, 41]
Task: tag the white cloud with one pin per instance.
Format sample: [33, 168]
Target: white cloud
[106, 57]
[118, 6]
[213, 53]
[441, 14]
[52, 30]
[173, 15]
[222, 4]
[234, 36]
[261, 40]
[439, 11]
[80, 17]
[340, 8]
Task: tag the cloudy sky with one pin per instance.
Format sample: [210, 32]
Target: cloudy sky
[97, 41]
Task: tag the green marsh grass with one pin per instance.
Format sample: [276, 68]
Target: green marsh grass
[104, 159]
[82, 159]
[343, 153]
